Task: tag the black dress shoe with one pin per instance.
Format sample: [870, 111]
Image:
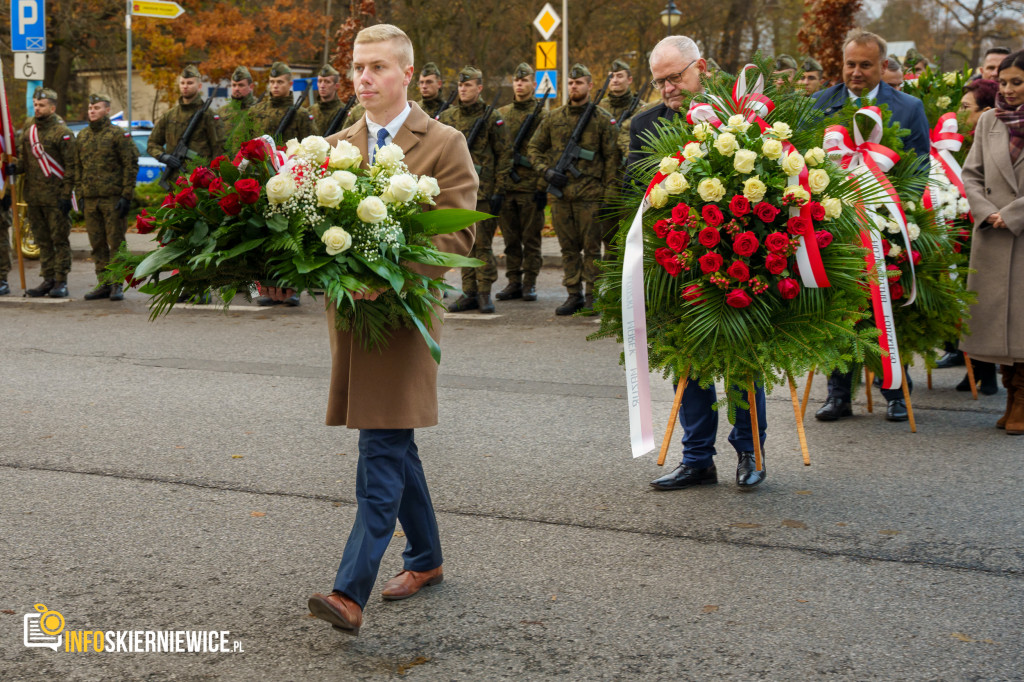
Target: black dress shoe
[266, 300]
[572, 304]
[985, 373]
[965, 384]
[833, 410]
[5, 288]
[897, 411]
[59, 290]
[101, 291]
[467, 301]
[292, 300]
[511, 290]
[685, 477]
[953, 358]
[42, 290]
[747, 476]
[484, 303]
[117, 292]
[529, 292]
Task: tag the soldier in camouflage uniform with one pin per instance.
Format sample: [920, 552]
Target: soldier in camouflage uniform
[619, 94]
[491, 162]
[522, 215]
[46, 155]
[328, 81]
[207, 141]
[616, 102]
[785, 70]
[431, 88]
[575, 214]
[268, 113]
[233, 115]
[5, 241]
[108, 164]
[811, 80]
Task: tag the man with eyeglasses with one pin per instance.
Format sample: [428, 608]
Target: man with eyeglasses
[676, 69]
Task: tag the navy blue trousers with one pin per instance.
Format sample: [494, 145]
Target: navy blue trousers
[841, 385]
[390, 486]
[700, 425]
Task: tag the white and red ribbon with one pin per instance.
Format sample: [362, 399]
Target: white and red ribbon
[945, 140]
[47, 163]
[634, 336]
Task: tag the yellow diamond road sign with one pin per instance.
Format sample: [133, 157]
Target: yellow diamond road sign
[547, 21]
[157, 8]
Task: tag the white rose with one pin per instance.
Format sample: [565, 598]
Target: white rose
[658, 196]
[793, 164]
[428, 186]
[943, 102]
[738, 123]
[817, 180]
[346, 180]
[291, 147]
[345, 155]
[833, 207]
[336, 240]
[669, 164]
[754, 189]
[711, 189]
[675, 183]
[387, 197]
[797, 192]
[389, 155]
[892, 227]
[962, 206]
[315, 148]
[280, 188]
[744, 161]
[772, 149]
[692, 151]
[372, 210]
[328, 193]
[913, 230]
[782, 130]
[949, 78]
[912, 82]
[703, 131]
[815, 156]
[403, 187]
[894, 250]
[909, 206]
[726, 144]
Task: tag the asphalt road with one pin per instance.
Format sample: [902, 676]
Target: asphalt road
[177, 475]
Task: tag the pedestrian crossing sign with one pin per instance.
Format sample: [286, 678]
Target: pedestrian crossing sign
[546, 88]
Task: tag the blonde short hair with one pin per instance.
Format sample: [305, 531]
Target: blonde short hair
[385, 32]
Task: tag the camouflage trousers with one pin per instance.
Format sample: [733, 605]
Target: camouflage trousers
[479, 280]
[521, 224]
[106, 229]
[5, 244]
[51, 227]
[577, 227]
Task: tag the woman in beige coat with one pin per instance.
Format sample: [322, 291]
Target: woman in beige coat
[994, 180]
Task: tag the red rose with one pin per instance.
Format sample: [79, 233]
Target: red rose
[893, 273]
[230, 204]
[673, 266]
[775, 263]
[709, 237]
[663, 255]
[692, 292]
[144, 223]
[217, 186]
[215, 164]
[956, 247]
[745, 243]
[766, 212]
[678, 240]
[180, 181]
[817, 210]
[776, 242]
[168, 202]
[885, 247]
[201, 177]
[680, 212]
[130, 281]
[738, 298]
[788, 288]
[798, 225]
[738, 271]
[739, 206]
[710, 262]
[254, 150]
[186, 198]
[248, 190]
[824, 238]
[916, 256]
[712, 215]
[662, 228]
[896, 291]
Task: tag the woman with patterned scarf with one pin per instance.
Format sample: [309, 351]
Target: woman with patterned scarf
[994, 181]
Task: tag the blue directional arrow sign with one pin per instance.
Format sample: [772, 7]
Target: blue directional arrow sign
[28, 25]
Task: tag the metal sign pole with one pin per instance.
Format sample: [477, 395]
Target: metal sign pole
[565, 51]
[128, 28]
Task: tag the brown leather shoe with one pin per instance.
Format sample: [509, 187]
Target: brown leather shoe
[338, 610]
[408, 583]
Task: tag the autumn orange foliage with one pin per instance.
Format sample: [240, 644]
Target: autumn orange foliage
[825, 25]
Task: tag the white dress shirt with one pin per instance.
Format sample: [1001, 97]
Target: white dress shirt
[392, 128]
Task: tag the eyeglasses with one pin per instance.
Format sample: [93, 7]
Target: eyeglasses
[672, 78]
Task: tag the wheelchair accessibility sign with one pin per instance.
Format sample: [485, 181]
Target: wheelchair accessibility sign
[29, 66]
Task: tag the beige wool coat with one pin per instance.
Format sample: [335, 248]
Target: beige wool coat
[397, 388]
[995, 185]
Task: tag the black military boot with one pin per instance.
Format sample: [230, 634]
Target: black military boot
[117, 292]
[529, 292]
[484, 303]
[572, 304]
[5, 288]
[101, 291]
[588, 303]
[59, 290]
[468, 301]
[42, 290]
[511, 290]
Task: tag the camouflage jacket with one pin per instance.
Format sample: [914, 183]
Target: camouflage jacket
[615, 105]
[515, 116]
[488, 151]
[267, 116]
[598, 143]
[207, 141]
[108, 161]
[59, 142]
[232, 115]
[353, 116]
[430, 105]
[323, 112]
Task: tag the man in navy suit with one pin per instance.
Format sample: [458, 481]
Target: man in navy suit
[676, 68]
[864, 62]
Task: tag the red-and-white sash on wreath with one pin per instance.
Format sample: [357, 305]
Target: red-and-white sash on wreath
[944, 141]
[47, 163]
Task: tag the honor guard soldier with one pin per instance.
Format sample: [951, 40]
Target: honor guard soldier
[811, 80]
[5, 241]
[522, 214]
[46, 155]
[268, 113]
[108, 164]
[207, 140]
[431, 88]
[574, 214]
[488, 151]
[785, 70]
[233, 115]
[328, 81]
[619, 95]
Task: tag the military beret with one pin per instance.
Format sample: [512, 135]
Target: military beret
[893, 59]
[328, 70]
[619, 65]
[812, 64]
[279, 69]
[190, 71]
[99, 97]
[579, 71]
[524, 70]
[468, 73]
[784, 61]
[912, 57]
[44, 93]
[241, 74]
[430, 69]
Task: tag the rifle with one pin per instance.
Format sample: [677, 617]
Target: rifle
[479, 124]
[524, 130]
[573, 152]
[634, 104]
[286, 120]
[181, 150]
[339, 118]
[447, 103]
